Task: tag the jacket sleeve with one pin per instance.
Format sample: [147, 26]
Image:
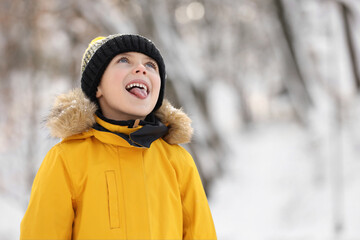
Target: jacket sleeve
[197, 219]
[50, 212]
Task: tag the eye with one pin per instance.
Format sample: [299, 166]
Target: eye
[123, 60]
[151, 65]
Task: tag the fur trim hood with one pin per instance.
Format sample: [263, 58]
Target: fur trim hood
[72, 113]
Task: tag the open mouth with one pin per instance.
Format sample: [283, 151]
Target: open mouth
[138, 90]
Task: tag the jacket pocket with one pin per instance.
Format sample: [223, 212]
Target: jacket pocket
[113, 203]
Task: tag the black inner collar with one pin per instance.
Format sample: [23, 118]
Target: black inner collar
[150, 119]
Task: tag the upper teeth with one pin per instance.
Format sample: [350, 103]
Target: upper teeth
[140, 85]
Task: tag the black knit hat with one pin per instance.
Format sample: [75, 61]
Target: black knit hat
[102, 50]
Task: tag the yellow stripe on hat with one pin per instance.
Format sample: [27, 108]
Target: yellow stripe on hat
[89, 52]
[96, 39]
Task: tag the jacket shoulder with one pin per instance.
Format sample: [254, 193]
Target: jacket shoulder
[80, 136]
[178, 156]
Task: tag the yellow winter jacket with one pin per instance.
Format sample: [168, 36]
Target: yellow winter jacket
[96, 185]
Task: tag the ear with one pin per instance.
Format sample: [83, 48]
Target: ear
[98, 92]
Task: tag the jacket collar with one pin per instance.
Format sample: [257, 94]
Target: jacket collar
[73, 114]
[131, 131]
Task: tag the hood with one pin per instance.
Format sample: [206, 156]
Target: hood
[72, 113]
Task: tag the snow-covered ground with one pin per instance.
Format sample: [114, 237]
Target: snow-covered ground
[10, 216]
[279, 184]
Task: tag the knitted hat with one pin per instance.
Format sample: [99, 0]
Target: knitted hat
[102, 50]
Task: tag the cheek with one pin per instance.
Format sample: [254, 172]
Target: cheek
[117, 77]
[114, 84]
[157, 84]
[110, 83]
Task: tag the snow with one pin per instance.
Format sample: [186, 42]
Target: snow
[278, 186]
[11, 215]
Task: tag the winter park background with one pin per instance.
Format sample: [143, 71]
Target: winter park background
[272, 87]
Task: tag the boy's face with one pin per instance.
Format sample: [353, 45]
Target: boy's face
[129, 87]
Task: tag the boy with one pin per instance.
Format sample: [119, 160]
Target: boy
[119, 172]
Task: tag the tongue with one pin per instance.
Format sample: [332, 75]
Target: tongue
[140, 93]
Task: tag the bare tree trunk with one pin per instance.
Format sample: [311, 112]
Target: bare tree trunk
[294, 82]
[346, 14]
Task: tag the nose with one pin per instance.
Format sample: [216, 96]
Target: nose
[140, 69]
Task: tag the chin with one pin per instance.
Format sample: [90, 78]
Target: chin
[140, 110]
[139, 114]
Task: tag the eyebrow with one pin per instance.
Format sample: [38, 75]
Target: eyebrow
[146, 56]
[125, 53]
[130, 55]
